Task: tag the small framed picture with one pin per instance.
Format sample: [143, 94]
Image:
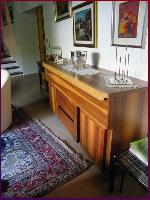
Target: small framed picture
[11, 14]
[129, 23]
[85, 24]
[63, 10]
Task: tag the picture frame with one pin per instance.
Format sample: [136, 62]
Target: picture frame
[11, 14]
[129, 23]
[63, 10]
[85, 25]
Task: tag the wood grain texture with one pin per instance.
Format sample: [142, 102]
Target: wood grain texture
[66, 110]
[110, 118]
[107, 148]
[95, 82]
[128, 118]
[41, 32]
[97, 109]
[52, 97]
[92, 137]
[75, 80]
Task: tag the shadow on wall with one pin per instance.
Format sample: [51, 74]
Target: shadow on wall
[95, 59]
[4, 48]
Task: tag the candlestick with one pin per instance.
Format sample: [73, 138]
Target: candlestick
[126, 47]
[116, 54]
[119, 65]
[128, 58]
[116, 64]
[128, 64]
[125, 70]
[122, 75]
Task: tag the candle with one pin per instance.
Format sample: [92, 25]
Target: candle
[116, 53]
[119, 65]
[125, 60]
[126, 47]
[128, 58]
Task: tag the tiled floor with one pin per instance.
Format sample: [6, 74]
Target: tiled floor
[26, 93]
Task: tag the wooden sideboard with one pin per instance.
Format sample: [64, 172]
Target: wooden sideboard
[104, 120]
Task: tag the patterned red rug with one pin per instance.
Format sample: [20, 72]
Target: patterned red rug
[35, 162]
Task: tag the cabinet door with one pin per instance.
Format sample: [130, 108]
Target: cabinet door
[92, 137]
[67, 112]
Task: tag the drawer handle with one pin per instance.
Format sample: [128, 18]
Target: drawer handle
[66, 113]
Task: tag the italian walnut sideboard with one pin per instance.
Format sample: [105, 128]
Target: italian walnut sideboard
[104, 120]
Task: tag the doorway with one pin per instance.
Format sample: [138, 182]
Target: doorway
[41, 32]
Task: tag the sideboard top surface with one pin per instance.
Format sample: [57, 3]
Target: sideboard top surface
[95, 81]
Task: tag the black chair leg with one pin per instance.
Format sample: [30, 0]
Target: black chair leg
[112, 174]
[122, 180]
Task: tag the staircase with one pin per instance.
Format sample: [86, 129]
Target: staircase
[10, 65]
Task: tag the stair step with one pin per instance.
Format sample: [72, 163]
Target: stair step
[5, 55]
[8, 61]
[8, 64]
[3, 66]
[14, 70]
[16, 73]
[11, 67]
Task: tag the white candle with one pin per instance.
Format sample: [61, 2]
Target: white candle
[116, 53]
[128, 58]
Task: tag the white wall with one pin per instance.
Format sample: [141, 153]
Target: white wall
[28, 32]
[21, 39]
[27, 29]
[61, 34]
[11, 40]
[26, 6]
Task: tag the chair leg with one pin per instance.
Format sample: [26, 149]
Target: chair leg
[112, 174]
[122, 180]
[111, 187]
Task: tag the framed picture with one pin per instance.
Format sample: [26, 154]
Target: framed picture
[129, 23]
[11, 14]
[4, 16]
[63, 10]
[85, 24]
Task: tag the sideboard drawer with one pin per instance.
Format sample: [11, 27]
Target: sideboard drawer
[66, 110]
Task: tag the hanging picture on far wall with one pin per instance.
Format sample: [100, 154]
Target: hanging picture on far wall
[11, 14]
[128, 15]
[85, 24]
[129, 23]
[63, 10]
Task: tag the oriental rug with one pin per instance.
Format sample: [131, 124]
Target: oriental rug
[35, 161]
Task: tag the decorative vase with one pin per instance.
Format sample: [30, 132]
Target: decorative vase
[78, 59]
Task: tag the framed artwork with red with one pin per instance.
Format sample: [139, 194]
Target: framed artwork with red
[129, 23]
